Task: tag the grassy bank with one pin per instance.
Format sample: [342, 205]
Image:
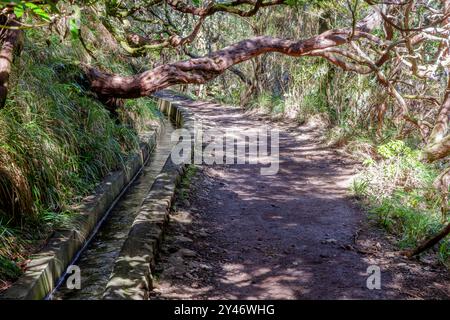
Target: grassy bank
[57, 142]
[398, 191]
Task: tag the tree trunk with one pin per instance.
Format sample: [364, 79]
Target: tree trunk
[11, 38]
[438, 146]
[437, 150]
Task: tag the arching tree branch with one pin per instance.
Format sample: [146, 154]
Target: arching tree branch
[229, 7]
[141, 43]
[201, 70]
[233, 70]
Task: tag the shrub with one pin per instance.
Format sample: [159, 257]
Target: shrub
[399, 192]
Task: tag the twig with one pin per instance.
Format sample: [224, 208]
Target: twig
[429, 242]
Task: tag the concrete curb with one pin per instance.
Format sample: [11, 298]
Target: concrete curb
[47, 266]
[132, 273]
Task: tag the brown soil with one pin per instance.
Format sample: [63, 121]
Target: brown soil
[293, 235]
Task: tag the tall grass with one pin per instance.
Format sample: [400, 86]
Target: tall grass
[56, 141]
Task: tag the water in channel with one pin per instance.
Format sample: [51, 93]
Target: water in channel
[97, 259]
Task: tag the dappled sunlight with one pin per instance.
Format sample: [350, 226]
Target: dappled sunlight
[232, 149]
[285, 236]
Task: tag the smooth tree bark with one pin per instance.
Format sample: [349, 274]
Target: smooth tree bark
[437, 150]
[232, 7]
[138, 45]
[11, 36]
[438, 145]
[203, 69]
[233, 70]
[142, 44]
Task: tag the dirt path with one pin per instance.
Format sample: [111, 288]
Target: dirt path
[241, 235]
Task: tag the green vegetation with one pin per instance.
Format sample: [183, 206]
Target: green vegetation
[69, 111]
[8, 269]
[399, 191]
[185, 183]
[57, 141]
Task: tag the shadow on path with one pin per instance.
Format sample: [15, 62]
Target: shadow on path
[241, 235]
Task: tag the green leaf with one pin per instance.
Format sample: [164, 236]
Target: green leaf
[74, 22]
[19, 10]
[38, 10]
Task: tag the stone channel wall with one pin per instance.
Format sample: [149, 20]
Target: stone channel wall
[132, 274]
[138, 252]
